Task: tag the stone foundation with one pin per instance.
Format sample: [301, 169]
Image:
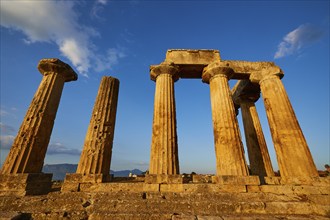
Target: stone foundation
[236, 180]
[163, 179]
[73, 181]
[25, 184]
[174, 201]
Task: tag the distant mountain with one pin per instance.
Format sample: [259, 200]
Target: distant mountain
[59, 170]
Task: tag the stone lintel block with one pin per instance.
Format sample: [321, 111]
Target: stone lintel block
[26, 177]
[213, 188]
[182, 56]
[164, 179]
[199, 178]
[70, 187]
[272, 180]
[290, 189]
[111, 187]
[298, 181]
[321, 181]
[236, 180]
[171, 188]
[306, 181]
[87, 178]
[151, 187]
[22, 184]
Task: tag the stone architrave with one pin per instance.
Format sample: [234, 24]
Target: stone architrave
[293, 155]
[229, 151]
[260, 163]
[164, 147]
[29, 148]
[21, 172]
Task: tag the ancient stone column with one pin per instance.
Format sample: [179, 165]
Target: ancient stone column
[164, 147]
[95, 159]
[29, 148]
[293, 155]
[260, 163]
[228, 145]
[96, 155]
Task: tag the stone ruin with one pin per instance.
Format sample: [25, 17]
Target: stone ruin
[21, 173]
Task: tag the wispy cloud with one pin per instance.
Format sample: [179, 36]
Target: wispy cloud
[6, 136]
[59, 148]
[6, 129]
[6, 141]
[55, 22]
[298, 39]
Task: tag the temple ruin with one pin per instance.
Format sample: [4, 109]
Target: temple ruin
[290, 145]
[164, 192]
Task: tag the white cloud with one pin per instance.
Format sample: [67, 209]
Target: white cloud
[297, 39]
[112, 58]
[54, 22]
[59, 148]
[6, 141]
[6, 129]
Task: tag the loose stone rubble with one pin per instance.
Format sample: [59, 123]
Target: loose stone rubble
[234, 192]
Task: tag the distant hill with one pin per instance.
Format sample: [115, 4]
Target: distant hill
[59, 170]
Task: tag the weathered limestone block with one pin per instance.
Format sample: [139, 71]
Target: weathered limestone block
[163, 179]
[228, 145]
[28, 151]
[198, 178]
[293, 155]
[22, 184]
[164, 147]
[236, 180]
[95, 160]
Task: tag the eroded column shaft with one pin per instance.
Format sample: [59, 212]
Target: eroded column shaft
[293, 155]
[96, 155]
[164, 147]
[228, 146]
[260, 163]
[28, 151]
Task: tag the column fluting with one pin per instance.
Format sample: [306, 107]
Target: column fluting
[164, 146]
[293, 155]
[96, 155]
[29, 148]
[229, 150]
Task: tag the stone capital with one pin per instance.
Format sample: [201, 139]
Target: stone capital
[270, 72]
[54, 65]
[214, 69]
[164, 68]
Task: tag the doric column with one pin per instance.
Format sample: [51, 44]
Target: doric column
[164, 147]
[228, 145]
[29, 148]
[260, 163]
[96, 155]
[293, 155]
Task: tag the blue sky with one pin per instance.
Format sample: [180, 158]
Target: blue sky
[122, 38]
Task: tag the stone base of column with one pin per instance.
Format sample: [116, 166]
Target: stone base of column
[23, 184]
[72, 181]
[312, 181]
[199, 178]
[163, 179]
[236, 180]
